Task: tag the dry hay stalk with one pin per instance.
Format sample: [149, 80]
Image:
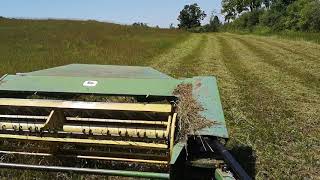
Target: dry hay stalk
[189, 119]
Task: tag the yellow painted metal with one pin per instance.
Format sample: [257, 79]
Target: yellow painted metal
[117, 121]
[85, 105]
[164, 123]
[132, 132]
[89, 157]
[85, 141]
[114, 127]
[23, 117]
[22, 126]
[168, 126]
[172, 131]
[119, 131]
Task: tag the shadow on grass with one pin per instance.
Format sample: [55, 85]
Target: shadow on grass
[246, 158]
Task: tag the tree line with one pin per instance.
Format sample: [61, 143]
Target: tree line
[273, 15]
[190, 19]
[251, 15]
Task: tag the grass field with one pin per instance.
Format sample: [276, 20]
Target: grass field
[298, 36]
[269, 87]
[27, 45]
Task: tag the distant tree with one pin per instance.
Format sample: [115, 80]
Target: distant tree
[214, 23]
[140, 24]
[271, 15]
[171, 26]
[191, 16]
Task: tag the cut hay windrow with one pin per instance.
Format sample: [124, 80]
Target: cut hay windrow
[188, 109]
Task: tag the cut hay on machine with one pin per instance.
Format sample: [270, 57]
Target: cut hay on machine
[115, 121]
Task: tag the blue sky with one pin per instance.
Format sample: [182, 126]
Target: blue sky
[153, 12]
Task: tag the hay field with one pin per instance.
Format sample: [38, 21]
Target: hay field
[27, 45]
[270, 88]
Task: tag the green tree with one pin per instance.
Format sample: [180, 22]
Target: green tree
[293, 14]
[234, 8]
[267, 3]
[140, 24]
[310, 16]
[214, 24]
[229, 9]
[191, 16]
[253, 5]
[171, 26]
[275, 15]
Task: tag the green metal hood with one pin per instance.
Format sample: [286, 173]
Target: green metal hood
[102, 71]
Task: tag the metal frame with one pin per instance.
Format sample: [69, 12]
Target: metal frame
[44, 103]
[87, 171]
[85, 141]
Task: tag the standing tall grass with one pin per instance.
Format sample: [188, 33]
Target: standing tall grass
[27, 45]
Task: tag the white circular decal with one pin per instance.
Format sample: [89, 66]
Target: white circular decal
[90, 83]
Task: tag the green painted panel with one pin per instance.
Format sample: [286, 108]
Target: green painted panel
[115, 86]
[221, 175]
[102, 71]
[205, 91]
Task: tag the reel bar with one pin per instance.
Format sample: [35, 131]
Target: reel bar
[85, 141]
[21, 126]
[87, 170]
[113, 131]
[102, 129]
[23, 117]
[86, 157]
[117, 121]
[132, 132]
[8, 117]
[155, 154]
[166, 108]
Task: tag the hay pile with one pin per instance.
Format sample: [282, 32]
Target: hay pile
[189, 119]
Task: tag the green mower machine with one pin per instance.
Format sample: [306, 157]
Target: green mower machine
[113, 121]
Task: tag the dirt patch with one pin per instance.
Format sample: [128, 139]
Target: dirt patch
[189, 119]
